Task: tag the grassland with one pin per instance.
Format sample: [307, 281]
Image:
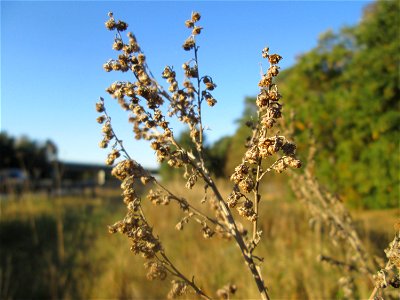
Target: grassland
[60, 248]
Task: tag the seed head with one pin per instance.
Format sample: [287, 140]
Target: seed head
[274, 58]
[188, 44]
[196, 16]
[110, 24]
[118, 44]
[197, 30]
[100, 106]
[189, 23]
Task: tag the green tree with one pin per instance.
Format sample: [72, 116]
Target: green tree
[347, 91]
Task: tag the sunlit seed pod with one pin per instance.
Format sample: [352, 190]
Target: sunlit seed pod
[112, 229]
[265, 81]
[171, 79]
[115, 153]
[118, 44]
[185, 66]
[110, 161]
[166, 72]
[262, 102]
[164, 125]
[265, 52]
[99, 107]
[127, 49]
[274, 58]
[141, 58]
[273, 70]
[110, 24]
[197, 30]
[116, 66]
[106, 128]
[173, 87]
[210, 86]
[188, 44]
[179, 226]
[103, 144]
[167, 133]
[101, 119]
[150, 124]
[189, 23]
[155, 145]
[107, 67]
[196, 16]
[134, 60]
[146, 179]
[274, 95]
[295, 163]
[268, 122]
[187, 84]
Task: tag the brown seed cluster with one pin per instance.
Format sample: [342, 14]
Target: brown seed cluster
[158, 198]
[143, 98]
[140, 234]
[234, 197]
[155, 270]
[179, 288]
[225, 292]
[262, 146]
[134, 225]
[393, 251]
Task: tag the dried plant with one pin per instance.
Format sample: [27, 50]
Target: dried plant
[328, 211]
[390, 274]
[150, 108]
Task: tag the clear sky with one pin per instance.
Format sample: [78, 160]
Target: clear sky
[52, 54]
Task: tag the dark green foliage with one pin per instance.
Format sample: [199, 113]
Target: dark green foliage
[346, 91]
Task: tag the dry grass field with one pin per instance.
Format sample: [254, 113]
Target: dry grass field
[60, 248]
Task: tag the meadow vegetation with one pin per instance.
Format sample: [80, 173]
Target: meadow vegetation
[60, 249]
[223, 226]
[269, 147]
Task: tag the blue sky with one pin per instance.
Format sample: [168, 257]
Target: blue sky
[52, 55]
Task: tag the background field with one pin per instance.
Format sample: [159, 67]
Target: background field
[60, 248]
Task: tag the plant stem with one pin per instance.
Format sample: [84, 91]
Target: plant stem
[184, 278]
[248, 257]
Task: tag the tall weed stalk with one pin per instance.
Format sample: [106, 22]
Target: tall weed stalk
[151, 108]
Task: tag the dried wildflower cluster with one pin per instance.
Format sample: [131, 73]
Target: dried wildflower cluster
[178, 289]
[263, 145]
[390, 274]
[150, 108]
[328, 212]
